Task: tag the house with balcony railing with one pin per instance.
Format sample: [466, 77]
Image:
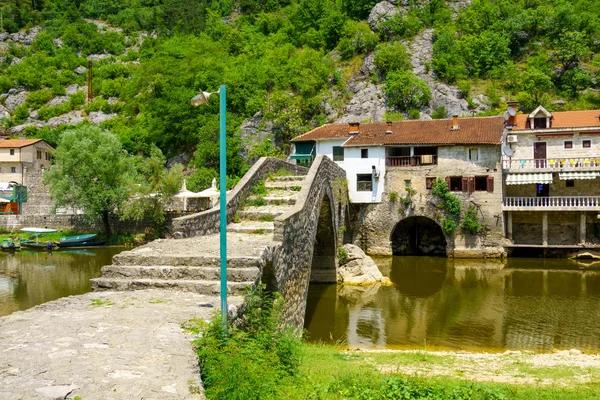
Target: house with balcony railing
[551, 165]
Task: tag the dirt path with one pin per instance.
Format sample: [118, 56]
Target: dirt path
[109, 345]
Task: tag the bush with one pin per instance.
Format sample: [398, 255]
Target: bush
[39, 98]
[406, 91]
[470, 222]
[414, 114]
[440, 113]
[393, 196]
[391, 57]
[342, 255]
[448, 225]
[21, 113]
[247, 360]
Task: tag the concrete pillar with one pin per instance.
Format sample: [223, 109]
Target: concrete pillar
[545, 228]
[582, 222]
[509, 234]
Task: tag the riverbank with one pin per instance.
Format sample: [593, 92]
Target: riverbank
[109, 345]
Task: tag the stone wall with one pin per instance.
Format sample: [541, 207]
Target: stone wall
[38, 194]
[207, 222]
[297, 231]
[373, 224]
[78, 223]
[563, 227]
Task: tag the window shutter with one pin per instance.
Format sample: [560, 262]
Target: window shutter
[472, 184]
[490, 184]
[448, 183]
[465, 184]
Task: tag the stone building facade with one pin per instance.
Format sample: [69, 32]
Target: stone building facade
[551, 166]
[390, 169]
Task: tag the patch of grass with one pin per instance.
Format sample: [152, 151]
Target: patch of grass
[260, 188]
[235, 218]
[256, 202]
[393, 196]
[102, 303]
[257, 232]
[296, 188]
[280, 172]
[267, 218]
[159, 301]
[342, 255]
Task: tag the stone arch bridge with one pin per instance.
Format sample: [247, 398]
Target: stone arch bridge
[283, 233]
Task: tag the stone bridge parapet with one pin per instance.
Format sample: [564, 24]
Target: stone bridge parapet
[207, 222]
[312, 225]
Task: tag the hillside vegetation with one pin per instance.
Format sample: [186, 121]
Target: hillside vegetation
[290, 61]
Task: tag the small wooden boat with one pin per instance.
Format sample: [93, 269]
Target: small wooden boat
[87, 243]
[9, 245]
[36, 244]
[76, 239]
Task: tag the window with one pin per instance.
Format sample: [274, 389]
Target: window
[587, 144]
[429, 183]
[364, 153]
[364, 183]
[473, 154]
[481, 183]
[455, 183]
[39, 154]
[570, 183]
[539, 123]
[338, 153]
[12, 152]
[13, 169]
[568, 144]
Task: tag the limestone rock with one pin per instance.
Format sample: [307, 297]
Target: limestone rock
[26, 38]
[74, 88]
[80, 70]
[15, 99]
[558, 102]
[70, 118]
[58, 43]
[3, 36]
[55, 392]
[183, 158]
[57, 101]
[20, 128]
[4, 112]
[358, 268]
[254, 131]
[381, 13]
[97, 57]
[16, 60]
[98, 117]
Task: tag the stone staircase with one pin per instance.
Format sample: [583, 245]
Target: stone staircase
[193, 264]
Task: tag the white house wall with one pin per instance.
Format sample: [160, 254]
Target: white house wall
[353, 164]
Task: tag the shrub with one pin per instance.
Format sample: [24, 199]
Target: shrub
[406, 91]
[21, 113]
[393, 196]
[342, 255]
[440, 113]
[414, 114]
[391, 57]
[260, 189]
[248, 359]
[39, 98]
[470, 222]
[448, 225]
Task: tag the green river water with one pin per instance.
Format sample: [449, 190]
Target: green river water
[29, 278]
[434, 303]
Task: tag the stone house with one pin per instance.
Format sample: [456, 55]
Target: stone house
[551, 165]
[390, 168]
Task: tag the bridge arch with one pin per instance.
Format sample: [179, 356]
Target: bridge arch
[324, 265]
[418, 235]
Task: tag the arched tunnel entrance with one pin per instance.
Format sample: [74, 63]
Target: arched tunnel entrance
[418, 236]
[323, 268]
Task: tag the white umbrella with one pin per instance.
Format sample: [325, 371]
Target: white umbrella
[186, 194]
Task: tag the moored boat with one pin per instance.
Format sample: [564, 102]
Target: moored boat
[77, 239]
[9, 245]
[36, 244]
[87, 243]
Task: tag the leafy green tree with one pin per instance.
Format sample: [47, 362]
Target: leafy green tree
[91, 171]
[406, 91]
[391, 57]
[156, 185]
[536, 83]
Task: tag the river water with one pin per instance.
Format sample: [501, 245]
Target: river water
[29, 278]
[436, 303]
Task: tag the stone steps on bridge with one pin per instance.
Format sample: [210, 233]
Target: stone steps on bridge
[208, 287]
[249, 274]
[263, 213]
[293, 185]
[251, 227]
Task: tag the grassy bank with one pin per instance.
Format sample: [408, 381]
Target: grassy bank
[257, 359]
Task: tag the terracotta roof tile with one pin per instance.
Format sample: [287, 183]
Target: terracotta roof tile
[16, 143]
[484, 130]
[565, 119]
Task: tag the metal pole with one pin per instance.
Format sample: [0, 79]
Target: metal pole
[223, 202]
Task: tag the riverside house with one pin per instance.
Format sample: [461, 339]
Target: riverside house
[21, 159]
[391, 166]
[551, 165]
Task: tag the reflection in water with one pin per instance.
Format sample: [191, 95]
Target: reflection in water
[29, 278]
[469, 304]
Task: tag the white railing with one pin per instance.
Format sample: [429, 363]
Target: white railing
[552, 164]
[555, 202]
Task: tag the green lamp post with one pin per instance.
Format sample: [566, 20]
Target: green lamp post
[198, 100]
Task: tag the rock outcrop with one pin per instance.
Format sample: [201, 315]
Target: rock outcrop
[381, 13]
[358, 268]
[15, 98]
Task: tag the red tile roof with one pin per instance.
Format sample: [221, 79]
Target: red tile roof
[16, 143]
[483, 130]
[565, 119]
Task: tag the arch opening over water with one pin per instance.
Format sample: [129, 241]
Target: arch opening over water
[418, 236]
[323, 268]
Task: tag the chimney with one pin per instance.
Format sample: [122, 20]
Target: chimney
[512, 113]
[388, 127]
[353, 128]
[455, 125]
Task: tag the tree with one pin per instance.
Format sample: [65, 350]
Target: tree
[406, 91]
[90, 171]
[391, 57]
[155, 187]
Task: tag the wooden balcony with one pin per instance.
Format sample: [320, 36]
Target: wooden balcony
[552, 164]
[411, 161]
[552, 203]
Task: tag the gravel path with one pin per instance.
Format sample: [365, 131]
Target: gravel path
[108, 345]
